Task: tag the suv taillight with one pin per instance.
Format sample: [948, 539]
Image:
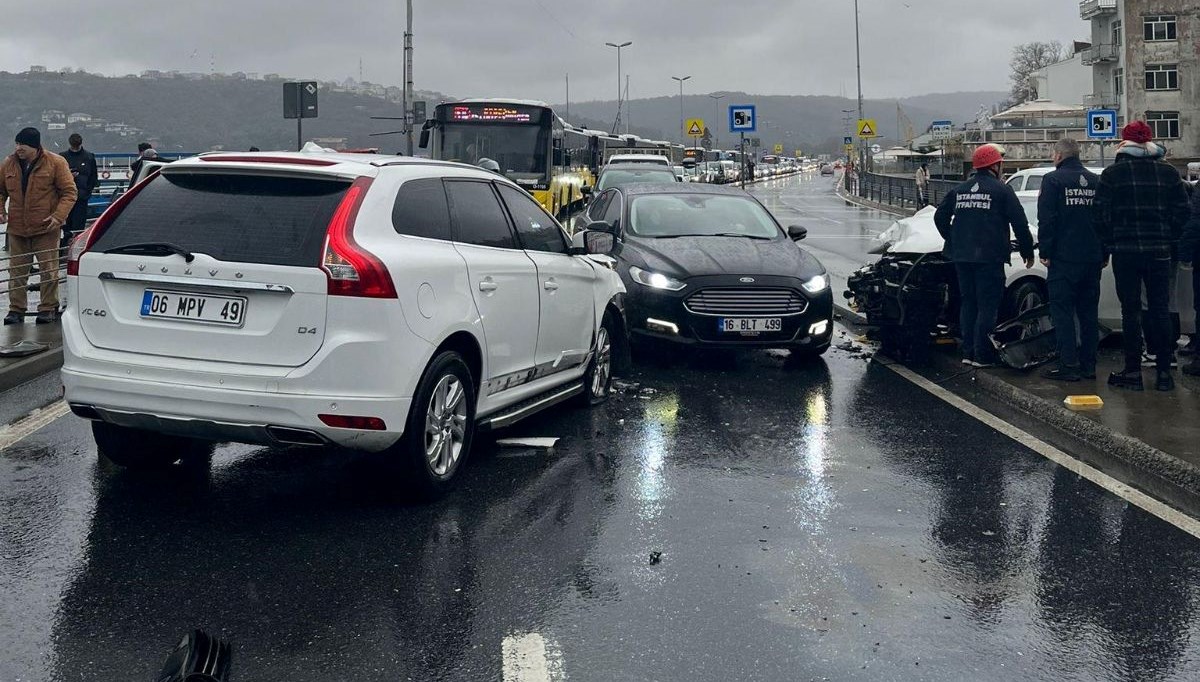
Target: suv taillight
[352, 270]
[81, 243]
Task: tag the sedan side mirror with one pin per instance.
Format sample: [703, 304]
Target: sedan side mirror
[601, 226]
[586, 191]
[797, 232]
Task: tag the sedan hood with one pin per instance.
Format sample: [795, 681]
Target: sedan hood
[701, 256]
[918, 234]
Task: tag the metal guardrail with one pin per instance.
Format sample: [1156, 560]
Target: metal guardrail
[8, 270]
[896, 191]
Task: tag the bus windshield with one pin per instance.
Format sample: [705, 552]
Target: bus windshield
[520, 150]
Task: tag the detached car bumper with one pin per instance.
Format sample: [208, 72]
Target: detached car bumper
[693, 316]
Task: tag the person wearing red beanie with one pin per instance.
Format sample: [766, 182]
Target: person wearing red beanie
[1141, 206]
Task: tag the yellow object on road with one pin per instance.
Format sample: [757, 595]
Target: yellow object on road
[1083, 402]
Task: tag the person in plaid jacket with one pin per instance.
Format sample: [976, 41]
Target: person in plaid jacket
[1141, 206]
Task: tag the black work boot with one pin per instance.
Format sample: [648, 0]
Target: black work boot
[1164, 381]
[1061, 373]
[14, 317]
[1130, 379]
[46, 317]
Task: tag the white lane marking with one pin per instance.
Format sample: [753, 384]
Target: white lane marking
[18, 430]
[1172, 516]
[527, 659]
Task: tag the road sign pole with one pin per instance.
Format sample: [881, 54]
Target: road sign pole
[742, 159]
[299, 119]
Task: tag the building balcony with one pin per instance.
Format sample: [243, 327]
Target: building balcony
[1089, 9]
[1102, 100]
[1100, 53]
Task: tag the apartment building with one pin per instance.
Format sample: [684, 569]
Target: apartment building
[1146, 64]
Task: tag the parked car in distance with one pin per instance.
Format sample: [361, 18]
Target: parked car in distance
[826, 169]
[623, 174]
[653, 159]
[709, 266]
[1028, 182]
[384, 304]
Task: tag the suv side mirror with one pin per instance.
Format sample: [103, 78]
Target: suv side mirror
[597, 243]
[590, 242]
[797, 232]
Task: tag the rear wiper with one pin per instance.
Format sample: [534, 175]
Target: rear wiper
[154, 249]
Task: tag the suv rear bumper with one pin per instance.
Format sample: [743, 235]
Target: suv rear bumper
[231, 415]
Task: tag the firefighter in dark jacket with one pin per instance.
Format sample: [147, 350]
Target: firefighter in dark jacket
[1072, 254]
[975, 220]
[87, 178]
[1141, 206]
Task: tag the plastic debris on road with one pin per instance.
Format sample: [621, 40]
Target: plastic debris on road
[23, 349]
[541, 443]
[1083, 402]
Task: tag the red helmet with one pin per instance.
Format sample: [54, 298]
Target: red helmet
[987, 156]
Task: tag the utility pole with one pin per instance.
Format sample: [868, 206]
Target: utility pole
[568, 97]
[627, 114]
[858, 67]
[617, 122]
[682, 132]
[407, 97]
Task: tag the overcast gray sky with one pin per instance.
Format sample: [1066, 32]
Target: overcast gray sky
[523, 48]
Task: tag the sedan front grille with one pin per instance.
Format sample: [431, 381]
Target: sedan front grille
[746, 302]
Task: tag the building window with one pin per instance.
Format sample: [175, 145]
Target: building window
[1118, 82]
[1118, 33]
[1165, 124]
[1162, 77]
[1161, 27]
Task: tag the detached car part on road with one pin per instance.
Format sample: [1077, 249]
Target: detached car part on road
[380, 304]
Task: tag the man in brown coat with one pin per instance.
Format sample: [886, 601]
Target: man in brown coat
[40, 192]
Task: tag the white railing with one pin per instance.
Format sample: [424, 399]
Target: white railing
[1099, 53]
[1093, 8]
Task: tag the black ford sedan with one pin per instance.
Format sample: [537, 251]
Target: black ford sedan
[709, 266]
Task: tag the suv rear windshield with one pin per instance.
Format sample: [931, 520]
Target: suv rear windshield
[237, 218]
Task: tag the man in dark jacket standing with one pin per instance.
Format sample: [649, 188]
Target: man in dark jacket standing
[87, 178]
[1071, 252]
[1141, 206]
[1189, 253]
[975, 220]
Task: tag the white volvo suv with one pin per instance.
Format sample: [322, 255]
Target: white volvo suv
[383, 304]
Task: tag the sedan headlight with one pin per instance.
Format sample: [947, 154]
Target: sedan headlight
[817, 284]
[655, 280]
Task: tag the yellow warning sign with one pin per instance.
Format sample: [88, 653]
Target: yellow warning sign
[778, 149]
[867, 128]
[694, 127]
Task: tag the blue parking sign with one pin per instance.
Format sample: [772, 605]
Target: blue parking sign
[742, 118]
[1102, 124]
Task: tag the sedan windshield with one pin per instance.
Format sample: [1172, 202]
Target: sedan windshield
[623, 177]
[685, 215]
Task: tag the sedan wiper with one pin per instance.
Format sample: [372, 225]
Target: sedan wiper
[154, 249]
[737, 234]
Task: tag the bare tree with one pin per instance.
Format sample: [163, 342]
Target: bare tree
[1025, 62]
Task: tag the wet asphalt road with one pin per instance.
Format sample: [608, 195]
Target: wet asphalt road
[818, 521]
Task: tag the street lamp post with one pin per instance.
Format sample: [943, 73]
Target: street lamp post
[717, 117]
[682, 132]
[858, 67]
[617, 123]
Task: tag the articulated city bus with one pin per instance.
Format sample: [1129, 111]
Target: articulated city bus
[526, 139]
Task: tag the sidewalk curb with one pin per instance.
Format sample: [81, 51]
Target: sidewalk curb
[30, 368]
[1140, 455]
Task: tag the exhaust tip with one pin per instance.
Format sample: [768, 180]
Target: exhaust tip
[291, 436]
[85, 411]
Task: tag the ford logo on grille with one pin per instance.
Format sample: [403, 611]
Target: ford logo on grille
[747, 280]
